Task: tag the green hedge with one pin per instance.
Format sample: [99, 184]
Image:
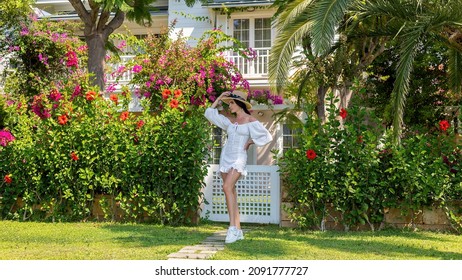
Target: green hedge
[150, 164]
[347, 165]
[74, 145]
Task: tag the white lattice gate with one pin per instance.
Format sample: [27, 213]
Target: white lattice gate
[258, 195]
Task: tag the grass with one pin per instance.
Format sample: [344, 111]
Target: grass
[95, 241]
[110, 241]
[273, 243]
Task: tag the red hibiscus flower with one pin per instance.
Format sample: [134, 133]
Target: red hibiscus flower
[74, 156]
[444, 125]
[114, 98]
[7, 179]
[62, 120]
[174, 104]
[140, 124]
[91, 95]
[124, 116]
[311, 154]
[343, 113]
[166, 93]
[177, 93]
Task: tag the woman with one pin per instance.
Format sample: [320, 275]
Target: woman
[243, 130]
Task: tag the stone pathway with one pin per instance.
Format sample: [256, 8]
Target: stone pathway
[205, 250]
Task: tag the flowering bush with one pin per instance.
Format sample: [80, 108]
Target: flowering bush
[345, 166]
[68, 147]
[42, 53]
[265, 97]
[201, 72]
[85, 146]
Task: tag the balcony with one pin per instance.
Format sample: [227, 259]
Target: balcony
[256, 69]
[253, 69]
[125, 77]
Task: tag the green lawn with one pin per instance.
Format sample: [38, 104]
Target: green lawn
[95, 241]
[109, 241]
[273, 243]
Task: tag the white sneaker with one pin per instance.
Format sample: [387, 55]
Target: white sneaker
[240, 235]
[232, 235]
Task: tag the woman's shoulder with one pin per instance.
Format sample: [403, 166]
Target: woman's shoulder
[252, 119]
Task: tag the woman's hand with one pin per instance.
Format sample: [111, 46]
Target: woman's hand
[224, 94]
[247, 145]
[218, 100]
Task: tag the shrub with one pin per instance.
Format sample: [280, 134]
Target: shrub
[149, 165]
[346, 166]
[73, 145]
[201, 72]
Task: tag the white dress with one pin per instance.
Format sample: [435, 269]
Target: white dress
[233, 154]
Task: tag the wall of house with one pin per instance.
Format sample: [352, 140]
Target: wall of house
[263, 155]
[160, 22]
[187, 23]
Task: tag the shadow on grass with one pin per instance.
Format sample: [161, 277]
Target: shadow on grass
[284, 244]
[156, 235]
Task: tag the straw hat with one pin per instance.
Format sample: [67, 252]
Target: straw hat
[237, 95]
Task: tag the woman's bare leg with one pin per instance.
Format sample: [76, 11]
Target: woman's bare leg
[229, 187]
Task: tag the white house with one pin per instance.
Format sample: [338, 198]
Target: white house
[250, 22]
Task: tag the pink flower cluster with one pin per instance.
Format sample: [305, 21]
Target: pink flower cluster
[72, 60]
[137, 68]
[39, 104]
[265, 97]
[39, 107]
[5, 137]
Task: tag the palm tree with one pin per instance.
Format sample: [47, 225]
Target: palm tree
[101, 19]
[407, 21]
[330, 70]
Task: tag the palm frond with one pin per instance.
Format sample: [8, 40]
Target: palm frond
[408, 47]
[301, 87]
[327, 16]
[291, 12]
[392, 9]
[288, 116]
[282, 52]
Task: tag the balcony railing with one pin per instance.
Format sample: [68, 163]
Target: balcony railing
[125, 76]
[256, 68]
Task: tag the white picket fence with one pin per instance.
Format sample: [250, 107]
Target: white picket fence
[258, 196]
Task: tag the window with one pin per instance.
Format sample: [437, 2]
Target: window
[241, 31]
[289, 137]
[254, 33]
[262, 33]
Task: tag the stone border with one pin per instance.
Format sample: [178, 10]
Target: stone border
[204, 250]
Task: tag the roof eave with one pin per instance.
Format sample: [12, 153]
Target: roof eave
[234, 4]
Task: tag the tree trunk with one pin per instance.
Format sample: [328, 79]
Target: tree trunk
[97, 30]
[345, 94]
[96, 55]
[321, 106]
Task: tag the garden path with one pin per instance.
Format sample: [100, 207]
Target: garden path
[204, 250]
